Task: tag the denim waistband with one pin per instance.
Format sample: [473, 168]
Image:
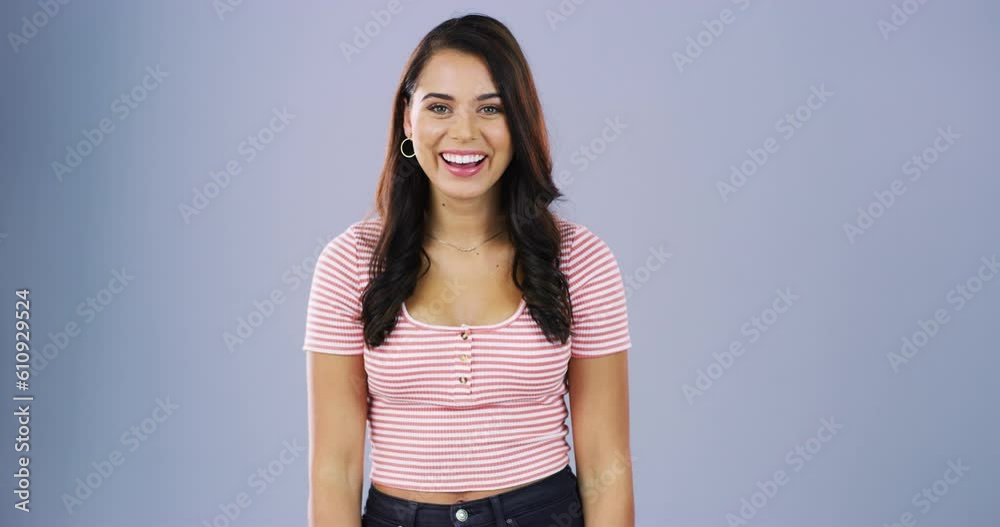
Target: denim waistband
[490, 511]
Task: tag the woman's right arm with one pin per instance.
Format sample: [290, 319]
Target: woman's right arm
[338, 411]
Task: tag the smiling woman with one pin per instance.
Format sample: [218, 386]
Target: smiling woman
[456, 321]
[443, 122]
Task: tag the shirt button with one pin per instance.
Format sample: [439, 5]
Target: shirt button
[463, 380]
[463, 357]
[465, 335]
[461, 515]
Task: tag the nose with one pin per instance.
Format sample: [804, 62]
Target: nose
[464, 127]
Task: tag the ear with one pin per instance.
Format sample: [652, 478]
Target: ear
[407, 125]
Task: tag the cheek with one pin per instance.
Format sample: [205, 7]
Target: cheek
[427, 133]
[426, 145]
[500, 141]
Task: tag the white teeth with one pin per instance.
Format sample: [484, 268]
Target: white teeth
[462, 160]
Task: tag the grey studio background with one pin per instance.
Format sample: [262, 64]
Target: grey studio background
[802, 197]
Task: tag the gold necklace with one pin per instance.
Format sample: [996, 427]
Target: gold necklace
[470, 249]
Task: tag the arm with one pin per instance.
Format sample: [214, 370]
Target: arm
[338, 410]
[337, 386]
[599, 410]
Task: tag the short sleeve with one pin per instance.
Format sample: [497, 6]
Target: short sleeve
[333, 314]
[600, 314]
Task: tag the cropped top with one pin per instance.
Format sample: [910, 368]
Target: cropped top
[470, 407]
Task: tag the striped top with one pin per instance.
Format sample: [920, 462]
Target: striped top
[470, 407]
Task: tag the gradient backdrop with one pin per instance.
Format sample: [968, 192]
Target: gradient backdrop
[804, 183]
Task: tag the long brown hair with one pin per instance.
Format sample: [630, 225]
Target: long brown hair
[526, 188]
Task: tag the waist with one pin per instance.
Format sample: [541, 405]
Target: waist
[549, 489]
[442, 498]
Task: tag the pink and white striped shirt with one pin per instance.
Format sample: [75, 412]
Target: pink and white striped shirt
[470, 407]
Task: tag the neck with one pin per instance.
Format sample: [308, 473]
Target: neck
[465, 222]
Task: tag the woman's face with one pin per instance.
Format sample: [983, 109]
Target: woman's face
[457, 123]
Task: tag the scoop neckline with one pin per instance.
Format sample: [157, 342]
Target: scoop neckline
[514, 316]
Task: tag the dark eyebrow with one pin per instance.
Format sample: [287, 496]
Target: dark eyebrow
[447, 97]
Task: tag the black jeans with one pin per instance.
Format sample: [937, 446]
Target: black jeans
[553, 501]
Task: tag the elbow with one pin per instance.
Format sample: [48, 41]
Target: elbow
[337, 471]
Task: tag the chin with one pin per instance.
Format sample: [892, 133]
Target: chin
[455, 187]
[463, 192]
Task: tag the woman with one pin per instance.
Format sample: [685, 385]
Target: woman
[456, 319]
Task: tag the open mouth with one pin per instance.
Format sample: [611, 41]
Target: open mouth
[463, 161]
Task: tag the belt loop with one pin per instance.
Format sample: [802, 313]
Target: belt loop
[498, 511]
[411, 518]
[407, 514]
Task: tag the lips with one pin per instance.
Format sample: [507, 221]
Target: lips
[463, 163]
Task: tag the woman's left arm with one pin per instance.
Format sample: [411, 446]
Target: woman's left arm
[598, 393]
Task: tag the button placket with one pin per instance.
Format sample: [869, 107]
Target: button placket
[463, 363]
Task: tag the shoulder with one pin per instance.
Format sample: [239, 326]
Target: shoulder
[358, 237]
[579, 241]
[365, 234]
[585, 257]
[353, 245]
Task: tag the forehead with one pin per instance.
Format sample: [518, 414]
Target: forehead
[455, 73]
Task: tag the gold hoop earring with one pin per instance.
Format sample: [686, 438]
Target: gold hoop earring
[404, 152]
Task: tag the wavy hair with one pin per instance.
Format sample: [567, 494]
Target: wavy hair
[526, 188]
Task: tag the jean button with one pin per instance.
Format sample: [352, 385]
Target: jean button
[461, 515]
